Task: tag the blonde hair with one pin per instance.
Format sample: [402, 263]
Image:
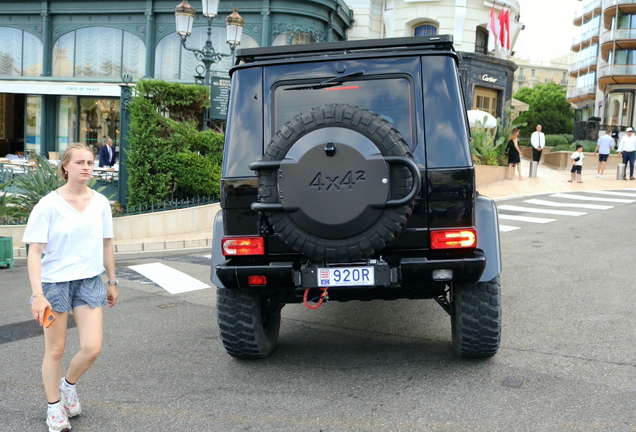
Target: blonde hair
[67, 155]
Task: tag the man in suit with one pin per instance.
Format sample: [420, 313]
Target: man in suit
[537, 139]
[107, 154]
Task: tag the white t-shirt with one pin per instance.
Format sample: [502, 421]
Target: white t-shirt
[580, 155]
[74, 241]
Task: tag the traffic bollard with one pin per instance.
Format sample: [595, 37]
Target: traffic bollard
[533, 169]
[620, 171]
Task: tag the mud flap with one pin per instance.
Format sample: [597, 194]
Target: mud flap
[487, 225]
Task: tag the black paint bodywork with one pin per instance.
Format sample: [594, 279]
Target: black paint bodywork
[437, 135]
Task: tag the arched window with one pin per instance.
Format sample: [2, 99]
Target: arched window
[101, 52]
[173, 63]
[425, 30]
[20, 53]
[481, 41]
[293, 38]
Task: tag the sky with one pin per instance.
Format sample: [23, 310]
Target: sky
[549, 29]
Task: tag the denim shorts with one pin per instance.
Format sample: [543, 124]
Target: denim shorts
[65, 296]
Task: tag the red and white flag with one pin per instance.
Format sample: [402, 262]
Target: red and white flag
[493, 29]
[504, 31]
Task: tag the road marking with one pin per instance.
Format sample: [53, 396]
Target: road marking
[526, 219]
[542, 211]
[173, 281]
[613, 193]
[587, 198]
[569, 205]
[506, 228]
[207, 256]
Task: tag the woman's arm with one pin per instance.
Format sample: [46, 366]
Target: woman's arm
[34, 268]
[109, 264]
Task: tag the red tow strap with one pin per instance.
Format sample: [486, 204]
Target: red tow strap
[323, 296]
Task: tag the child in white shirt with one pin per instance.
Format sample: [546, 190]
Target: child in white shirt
[577, 164]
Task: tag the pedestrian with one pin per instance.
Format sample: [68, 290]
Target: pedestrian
[626, 148]
[577, 164]
[107, 154]
[514, 154]
[69, 233]
[603, 147]
[537, 139]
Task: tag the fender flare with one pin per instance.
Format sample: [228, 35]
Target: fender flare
[217, 252]
[487, 225]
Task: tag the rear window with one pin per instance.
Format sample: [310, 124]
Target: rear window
[390, 98]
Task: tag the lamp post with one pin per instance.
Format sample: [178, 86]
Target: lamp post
[234, 25]
[184, 15]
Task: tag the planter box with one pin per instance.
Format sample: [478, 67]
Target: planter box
[486, 174]
[561, 160]
[6, 251]
[527, 151]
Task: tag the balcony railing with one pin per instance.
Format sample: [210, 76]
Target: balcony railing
[591, 33]
[582, 64]
[613, 3]
[613, 70]
[619, 34]
[587, 9]
[577, 92]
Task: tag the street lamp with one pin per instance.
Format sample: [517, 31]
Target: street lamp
[184, 15]
[234, 24]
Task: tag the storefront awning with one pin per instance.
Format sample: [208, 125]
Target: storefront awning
[519, 106]
[60, 88]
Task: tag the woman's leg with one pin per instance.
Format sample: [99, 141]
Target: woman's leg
[519, 170]
[511, 171]
[54, 344]
[90, 323]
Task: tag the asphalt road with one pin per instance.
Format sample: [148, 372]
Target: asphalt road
[567, 359]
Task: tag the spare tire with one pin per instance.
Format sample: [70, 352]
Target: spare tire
[337, 183]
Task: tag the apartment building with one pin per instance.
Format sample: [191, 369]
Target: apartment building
[487, 73]
[531, 73]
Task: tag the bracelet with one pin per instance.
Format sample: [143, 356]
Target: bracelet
[36, 295]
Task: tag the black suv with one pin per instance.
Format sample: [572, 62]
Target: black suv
[348, 175]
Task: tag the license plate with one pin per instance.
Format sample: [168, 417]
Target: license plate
[346, 276]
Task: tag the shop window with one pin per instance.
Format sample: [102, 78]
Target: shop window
[485, 100]
[100, 52]
[98, 120]
[33, 124]
[481, 41]
[174, 63]
[293, 38]
[425, 30]
[20, 53]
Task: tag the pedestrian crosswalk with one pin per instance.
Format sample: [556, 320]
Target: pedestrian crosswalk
[574, 204]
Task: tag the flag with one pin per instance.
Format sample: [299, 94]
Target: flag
[508, 31]
[504, 31]
[493, 29]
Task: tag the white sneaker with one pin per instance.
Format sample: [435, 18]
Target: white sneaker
[56, 418]
[69, 400]
[600, 176]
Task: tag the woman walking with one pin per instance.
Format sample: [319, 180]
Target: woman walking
[72, 226]
[514, 153]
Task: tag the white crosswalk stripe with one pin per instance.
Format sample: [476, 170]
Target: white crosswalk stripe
[613, 193]
[172, 280]
[525, 218]
[506, 228]
[540, 210]
[588, 198]
[568, 205]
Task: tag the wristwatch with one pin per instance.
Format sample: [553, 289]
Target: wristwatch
[113, 282]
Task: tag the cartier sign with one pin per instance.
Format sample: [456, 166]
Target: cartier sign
[486, 78]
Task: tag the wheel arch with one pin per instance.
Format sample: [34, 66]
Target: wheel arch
[217, 252]
[487, 226]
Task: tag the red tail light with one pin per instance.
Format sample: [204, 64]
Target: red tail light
[243, 246]
[454, 239]
[256, 280]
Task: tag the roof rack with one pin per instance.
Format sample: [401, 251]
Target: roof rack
[286, 51]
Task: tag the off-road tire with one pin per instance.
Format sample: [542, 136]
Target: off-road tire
[248, 323]
[476, 318]
[392, 220]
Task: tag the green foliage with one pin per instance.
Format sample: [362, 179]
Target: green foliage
[588, 146]
[7, 202]
[483, 146]
[166, 149]
[563, 147]
[555, 140]
[182, 102]
[199, 175]
[36, 184]
[548, 107]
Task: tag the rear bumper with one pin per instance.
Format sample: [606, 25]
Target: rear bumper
[409, 272]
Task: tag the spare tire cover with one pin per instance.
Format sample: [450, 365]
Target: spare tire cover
[333, 183]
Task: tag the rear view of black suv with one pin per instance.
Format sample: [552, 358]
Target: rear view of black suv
[347, 175]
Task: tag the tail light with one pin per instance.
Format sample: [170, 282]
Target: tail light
[243, 246]
[454, 239]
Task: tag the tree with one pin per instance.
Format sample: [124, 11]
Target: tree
[548, 107]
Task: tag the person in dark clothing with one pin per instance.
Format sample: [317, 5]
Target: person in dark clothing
[514, 154]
